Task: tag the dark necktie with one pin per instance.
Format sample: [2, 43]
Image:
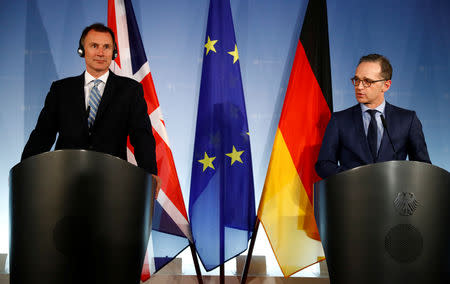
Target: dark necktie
[372, 134]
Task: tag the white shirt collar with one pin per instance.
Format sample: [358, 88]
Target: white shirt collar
[88, 78]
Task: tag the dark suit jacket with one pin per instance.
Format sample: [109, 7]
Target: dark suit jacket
[345, 146]
[122, 112]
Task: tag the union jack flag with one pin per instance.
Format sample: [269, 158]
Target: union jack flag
[170, 227]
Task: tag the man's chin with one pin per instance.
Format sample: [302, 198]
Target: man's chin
[103, 69]
[361, 100]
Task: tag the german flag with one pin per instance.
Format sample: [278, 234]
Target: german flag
[285, 209]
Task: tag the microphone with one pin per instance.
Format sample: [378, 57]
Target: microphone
[88, 111]
[383, 121]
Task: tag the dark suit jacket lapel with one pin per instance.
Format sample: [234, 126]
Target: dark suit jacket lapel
[78, 91]
[362, 144]
[107, 96]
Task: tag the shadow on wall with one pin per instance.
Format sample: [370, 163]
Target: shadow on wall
[39, 67]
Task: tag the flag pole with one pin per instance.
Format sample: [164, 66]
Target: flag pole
[222, 273]
[196, 265]
[250, 252]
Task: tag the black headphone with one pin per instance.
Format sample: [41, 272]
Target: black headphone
[97, 27]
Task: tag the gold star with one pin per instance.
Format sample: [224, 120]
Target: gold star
[235, 54]
[210, 45]
[235, 156]
[207, 162]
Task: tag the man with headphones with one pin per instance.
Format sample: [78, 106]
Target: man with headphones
[97, 110]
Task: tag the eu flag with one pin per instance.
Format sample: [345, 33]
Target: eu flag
[221, 203]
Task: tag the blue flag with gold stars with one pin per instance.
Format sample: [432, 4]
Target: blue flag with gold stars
[221, 203]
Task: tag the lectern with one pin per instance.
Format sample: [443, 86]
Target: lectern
[386, 223]
[78, 217]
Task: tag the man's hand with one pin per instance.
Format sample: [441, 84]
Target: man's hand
[156, 183]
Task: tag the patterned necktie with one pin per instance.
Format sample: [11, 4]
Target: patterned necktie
[94, 102]
[372, 134]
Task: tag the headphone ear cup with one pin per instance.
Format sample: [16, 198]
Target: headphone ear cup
[80, 51]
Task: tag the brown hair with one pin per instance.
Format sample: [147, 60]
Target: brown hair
[386, 67]
[98, 27]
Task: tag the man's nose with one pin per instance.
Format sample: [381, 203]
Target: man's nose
[360, 86]
[101, 51]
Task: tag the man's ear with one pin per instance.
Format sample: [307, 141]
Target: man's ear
[386, 85]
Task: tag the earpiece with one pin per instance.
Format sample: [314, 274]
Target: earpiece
[80, 50]
[115, 53]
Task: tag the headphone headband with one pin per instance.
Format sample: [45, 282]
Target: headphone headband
[100, 28]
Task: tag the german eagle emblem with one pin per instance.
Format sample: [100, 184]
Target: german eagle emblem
[406, 203]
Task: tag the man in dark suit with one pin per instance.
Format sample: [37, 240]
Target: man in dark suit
[373, 130]
[96, 110]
